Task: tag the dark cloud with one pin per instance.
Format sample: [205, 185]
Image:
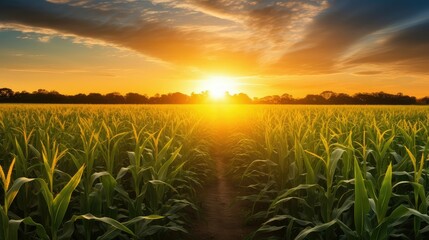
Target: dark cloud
[404, 50]
[367, 72]
[268, 20]
[343, 25]
[82, 22]
[272, 20]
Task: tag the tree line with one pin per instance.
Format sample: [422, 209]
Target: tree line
[7, 95]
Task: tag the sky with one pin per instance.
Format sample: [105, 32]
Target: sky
[264, 47]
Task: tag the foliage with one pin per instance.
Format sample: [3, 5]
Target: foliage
[334, 172]
[99, 172]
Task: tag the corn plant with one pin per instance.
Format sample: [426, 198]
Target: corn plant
[9, 229]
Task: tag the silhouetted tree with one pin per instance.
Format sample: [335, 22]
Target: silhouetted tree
[328, 94]
[197, 98]
[6, 93]
[342, 98]
[240, 98]
[326, 97]
[95, 98]
[114, 97]
[286, 99]
[135, 98]
[78, 98]
[274, 99]
[313, 99]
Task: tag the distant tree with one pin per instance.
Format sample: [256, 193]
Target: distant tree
[135, 98]
[286, 99]
[424, 100]
[156, 99]
[78, 98]
[342, 98]
[22, 97]
[328, 94]
[6, 93]
[313, 99]
[326, 97]
[274, 99]
[41, 91]
[197, 98]
[95, 98]
[114, 98]
[178, 98]
[240, 98]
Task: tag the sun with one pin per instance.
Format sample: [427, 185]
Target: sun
[218, 86]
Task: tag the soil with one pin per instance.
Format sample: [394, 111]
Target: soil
[222, 216]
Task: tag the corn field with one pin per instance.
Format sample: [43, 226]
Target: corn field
[99, 172]
[335, 172]
[135, 172]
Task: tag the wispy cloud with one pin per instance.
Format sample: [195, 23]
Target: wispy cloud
[347, 23]
[44, 39]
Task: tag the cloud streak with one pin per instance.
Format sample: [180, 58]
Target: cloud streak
[155, 39]
[349, 24]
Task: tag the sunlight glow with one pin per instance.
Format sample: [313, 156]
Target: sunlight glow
[218, 86]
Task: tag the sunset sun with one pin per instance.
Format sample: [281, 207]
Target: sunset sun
[218, 86]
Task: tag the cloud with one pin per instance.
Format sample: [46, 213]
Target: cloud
[368, 72]
[275, 21]
[58, 1]
[170, 44]
[345, 27]
[406, 50]
[44, 39]
[40, 33]
[268, 27]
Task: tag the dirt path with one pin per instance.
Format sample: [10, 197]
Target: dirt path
[221, 215]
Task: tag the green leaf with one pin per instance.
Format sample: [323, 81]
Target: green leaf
[335, 157]
[46, 193]
[149, 217]
[384, 195]
[318, 228]
[111, 233]
[159, 182]
[163, 171]
[293, 190]
[13, 191]
[61, 201]
[97, 175]
[114, 224]
[14, 227]
[398, 216]
[361, 207]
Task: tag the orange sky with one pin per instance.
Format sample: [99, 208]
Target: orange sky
[265, 47]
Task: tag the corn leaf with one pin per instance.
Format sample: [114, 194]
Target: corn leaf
[61, 201]
[361, 207]
[384, 195]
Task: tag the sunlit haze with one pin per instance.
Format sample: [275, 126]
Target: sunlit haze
[218, 86]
